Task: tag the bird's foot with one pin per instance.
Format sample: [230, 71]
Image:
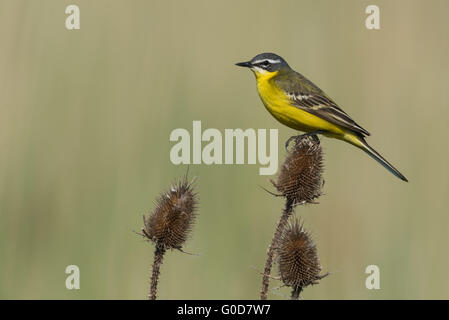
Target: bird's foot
[312, 135]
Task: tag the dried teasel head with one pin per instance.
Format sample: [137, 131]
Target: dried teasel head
[298, 261]
[300, 177]
[172, 220]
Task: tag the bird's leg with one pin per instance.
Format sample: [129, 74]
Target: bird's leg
[312, 134]
[289, 140]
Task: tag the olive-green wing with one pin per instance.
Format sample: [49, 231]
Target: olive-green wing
[308, 97]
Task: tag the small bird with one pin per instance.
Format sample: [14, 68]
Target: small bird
[299, 104]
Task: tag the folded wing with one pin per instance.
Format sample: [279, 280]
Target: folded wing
[308, 97]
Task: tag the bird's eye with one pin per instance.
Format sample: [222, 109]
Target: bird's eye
[265, 63]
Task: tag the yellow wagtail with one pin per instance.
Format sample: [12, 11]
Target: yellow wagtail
[299, 104]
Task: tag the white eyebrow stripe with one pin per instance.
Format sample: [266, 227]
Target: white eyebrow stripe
[269, 60]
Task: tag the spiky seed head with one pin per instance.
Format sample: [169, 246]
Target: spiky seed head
[173, 217]
[298, 261]
[300, 177]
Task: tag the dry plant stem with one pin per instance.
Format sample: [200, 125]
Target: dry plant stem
[272, 248]
[158, 256]
[296, 292]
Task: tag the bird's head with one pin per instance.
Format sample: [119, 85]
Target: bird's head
[265, 64]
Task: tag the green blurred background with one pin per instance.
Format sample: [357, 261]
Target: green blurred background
[85, 118]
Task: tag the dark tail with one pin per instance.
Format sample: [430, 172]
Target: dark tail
[376, 156]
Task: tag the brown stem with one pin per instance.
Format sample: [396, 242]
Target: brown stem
[271, 249]
[295, 293]
[158, 256]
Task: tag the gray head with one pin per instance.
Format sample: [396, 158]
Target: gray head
[265, 62]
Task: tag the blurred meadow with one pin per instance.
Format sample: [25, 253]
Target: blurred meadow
[85, 119]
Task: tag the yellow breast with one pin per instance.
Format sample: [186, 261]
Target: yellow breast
[280, 107]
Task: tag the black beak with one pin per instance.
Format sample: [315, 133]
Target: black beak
[244, 64]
